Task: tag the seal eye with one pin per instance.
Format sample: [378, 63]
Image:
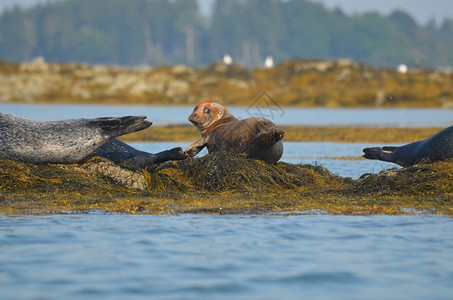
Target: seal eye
[207, 110]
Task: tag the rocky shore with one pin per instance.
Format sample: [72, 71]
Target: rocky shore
[221, 184]
[341, 83]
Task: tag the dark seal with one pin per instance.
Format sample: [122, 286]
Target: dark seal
[128, 157]
[437, 147]
[258, 138]
[75, 140]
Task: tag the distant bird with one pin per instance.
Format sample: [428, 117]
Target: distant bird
[269, 62]
[227, 59]
[402, 69]
[38, 60]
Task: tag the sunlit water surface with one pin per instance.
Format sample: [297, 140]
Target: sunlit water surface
[226, 257]
[164, 115]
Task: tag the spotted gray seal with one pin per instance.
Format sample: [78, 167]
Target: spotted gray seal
[74, 140]
[434, 148]
[258, 138]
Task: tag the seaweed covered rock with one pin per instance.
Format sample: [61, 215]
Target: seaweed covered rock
[95, 176]
[222, 183]
[219, 171]
[427, 180]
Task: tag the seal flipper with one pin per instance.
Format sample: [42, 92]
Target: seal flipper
[268, 138]
[131, 158]
[197, 146]
[382, 153]
[122, 125]
[172, 154]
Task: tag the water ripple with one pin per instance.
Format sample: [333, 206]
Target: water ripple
[218, 257]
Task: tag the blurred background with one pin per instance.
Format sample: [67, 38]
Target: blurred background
[197, 32]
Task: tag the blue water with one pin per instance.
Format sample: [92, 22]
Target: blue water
[164, 115]
[226, 257]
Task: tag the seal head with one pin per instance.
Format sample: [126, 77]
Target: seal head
[207, 115]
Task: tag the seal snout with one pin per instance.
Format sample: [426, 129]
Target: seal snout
[194, 118]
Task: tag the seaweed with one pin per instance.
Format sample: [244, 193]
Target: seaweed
[220, 183]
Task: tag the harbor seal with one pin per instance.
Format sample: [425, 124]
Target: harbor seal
[74, 140]
[256, 137]
[437, 147]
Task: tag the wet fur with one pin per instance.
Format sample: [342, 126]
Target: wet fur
[131, 158]
[70, 141]
[258, 138]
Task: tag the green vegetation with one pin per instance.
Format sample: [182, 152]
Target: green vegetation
[164, 32]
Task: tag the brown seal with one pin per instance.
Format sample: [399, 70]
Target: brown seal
[256, 137]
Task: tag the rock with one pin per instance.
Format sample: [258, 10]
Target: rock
[344, 63]
[139, 88]
[241, 84]
[37, 64]
[79, 90]
[102, 79]
[344, 75]
[122, 83]
[99, 167]
[177, 88]
[208, 81]
[181, 70]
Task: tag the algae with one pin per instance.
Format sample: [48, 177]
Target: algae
[220, 183]
[344, 134]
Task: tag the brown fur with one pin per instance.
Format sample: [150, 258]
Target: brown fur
[258, 138]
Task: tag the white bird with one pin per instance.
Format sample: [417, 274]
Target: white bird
[269, 62]
[227, 59]
[402, 69]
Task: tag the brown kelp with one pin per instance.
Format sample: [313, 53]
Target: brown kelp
[222, 183]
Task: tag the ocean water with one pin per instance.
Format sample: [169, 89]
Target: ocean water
[97, 256]
[165, 115]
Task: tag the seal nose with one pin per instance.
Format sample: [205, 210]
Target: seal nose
[192, 116]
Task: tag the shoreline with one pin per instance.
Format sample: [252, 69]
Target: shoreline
[296, 83]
